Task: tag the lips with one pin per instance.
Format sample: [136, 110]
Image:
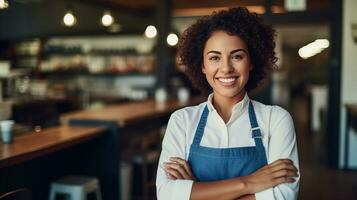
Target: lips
[227, 81]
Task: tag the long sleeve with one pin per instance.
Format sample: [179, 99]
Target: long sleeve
[174, 144]
[282, 145]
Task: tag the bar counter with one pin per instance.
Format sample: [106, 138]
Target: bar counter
[35, 144]
[127, 121]
[130, 113]
[36, 159]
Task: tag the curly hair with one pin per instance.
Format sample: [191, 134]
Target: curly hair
[259, 38]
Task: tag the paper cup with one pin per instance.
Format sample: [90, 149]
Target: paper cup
[6, 130]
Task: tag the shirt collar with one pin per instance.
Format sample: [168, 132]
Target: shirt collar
[237, 108]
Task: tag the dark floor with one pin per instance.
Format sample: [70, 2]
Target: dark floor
[318, 181]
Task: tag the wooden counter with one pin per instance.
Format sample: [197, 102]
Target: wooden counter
[125, 121]
[130, 113]
[35, 160]
[32, 145]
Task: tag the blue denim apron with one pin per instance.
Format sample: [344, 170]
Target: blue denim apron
[213, 164]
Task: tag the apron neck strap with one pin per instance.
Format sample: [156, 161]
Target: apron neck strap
[256, 133]
[201, 127]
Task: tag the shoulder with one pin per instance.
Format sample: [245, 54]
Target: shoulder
[184, 119]
[276, 116]
[187, 113]
[273, 110]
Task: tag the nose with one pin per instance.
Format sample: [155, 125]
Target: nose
[226, 66]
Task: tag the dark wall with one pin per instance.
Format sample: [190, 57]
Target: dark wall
[27, 19]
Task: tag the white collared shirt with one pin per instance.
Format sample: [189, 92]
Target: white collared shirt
[279, 140]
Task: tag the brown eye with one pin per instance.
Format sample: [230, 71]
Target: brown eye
[214, 58]
[237, 57]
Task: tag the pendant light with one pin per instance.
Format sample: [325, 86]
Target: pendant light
[107, 19]
[172, 39]
[69, 19]
[4, 4]
[150, 31]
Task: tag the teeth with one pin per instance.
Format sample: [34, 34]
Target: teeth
[226, 80]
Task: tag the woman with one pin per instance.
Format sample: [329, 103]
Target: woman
[229, 147]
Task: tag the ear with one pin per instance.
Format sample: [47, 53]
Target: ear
[251, 67]
[203, 69]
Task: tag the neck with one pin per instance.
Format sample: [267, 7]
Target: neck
[224, 104]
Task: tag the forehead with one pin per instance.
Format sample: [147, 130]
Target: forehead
[222, 41]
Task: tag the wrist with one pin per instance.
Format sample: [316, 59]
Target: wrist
[243, 186]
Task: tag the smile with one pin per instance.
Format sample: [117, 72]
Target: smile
[227, 81]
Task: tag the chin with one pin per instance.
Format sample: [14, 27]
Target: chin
[231, 94]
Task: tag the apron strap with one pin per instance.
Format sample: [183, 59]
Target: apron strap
[256, 133]
[200, 127]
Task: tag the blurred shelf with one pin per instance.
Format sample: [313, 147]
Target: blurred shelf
[87, 73]
[64, 51]
[104, 53]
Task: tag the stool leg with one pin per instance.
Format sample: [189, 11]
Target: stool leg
[78, 195]
[98, 193]
[52, 195]
[145, 180]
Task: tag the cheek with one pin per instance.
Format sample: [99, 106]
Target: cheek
[247, 70]
[208, 68]
[244, 72]
[243, 68]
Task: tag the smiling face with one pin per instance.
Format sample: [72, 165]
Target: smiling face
[226, 64]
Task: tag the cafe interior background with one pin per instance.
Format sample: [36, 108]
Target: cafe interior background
[90, 85]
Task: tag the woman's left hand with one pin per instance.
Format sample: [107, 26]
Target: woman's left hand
[178, 168]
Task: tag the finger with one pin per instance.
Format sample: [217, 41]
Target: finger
[174, 173]
[280, 161]
[183, 163]
[285, 173]
[179, 168]
[268, 166]
[283, 180]
[272, 166]
[283, 166]
[170, 176]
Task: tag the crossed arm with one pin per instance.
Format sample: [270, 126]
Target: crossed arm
[278, 172]
[276, 175]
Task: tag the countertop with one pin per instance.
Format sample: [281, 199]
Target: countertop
[130, 113]
[35, 144]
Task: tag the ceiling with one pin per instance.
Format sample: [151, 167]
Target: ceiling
[204, 7]
[135, 15]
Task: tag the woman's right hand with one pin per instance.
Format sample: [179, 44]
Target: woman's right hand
[278, 172]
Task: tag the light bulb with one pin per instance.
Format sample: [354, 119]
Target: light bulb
[150, 31]
[313, 48]
[172, 39]
[69, 19]
[107, 19]
[4, 4]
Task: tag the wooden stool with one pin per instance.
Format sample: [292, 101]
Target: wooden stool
[145, 153]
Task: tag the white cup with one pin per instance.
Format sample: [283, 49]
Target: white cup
[6, 130]
[160, 95]
[183, 95]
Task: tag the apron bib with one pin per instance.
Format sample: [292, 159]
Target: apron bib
[214, 164]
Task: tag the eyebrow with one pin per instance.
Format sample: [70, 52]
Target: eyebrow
[232, 52]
